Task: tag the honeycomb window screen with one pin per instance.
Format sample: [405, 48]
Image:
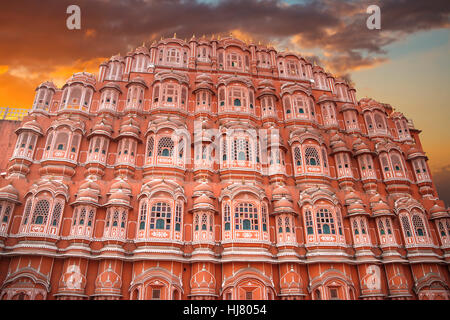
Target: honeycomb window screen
[57, 210]
[150, 146]
[419, 226]
[26, 212]
[312, 156]
[165, 147]
[41, 212]
[406, 226]
[196, 222]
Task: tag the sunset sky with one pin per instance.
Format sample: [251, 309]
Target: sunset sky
[405, 64]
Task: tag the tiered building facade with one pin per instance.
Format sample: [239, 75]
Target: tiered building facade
[217, 169]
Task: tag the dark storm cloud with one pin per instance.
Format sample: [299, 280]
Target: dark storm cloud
[34, 34]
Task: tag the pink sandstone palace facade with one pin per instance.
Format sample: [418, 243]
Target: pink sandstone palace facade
[217, 169]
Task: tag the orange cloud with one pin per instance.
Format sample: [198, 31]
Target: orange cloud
[3, 69]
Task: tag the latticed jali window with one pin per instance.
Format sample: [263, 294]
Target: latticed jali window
[41, 211]
[419, 226]
[325, 222]
[297, 156]
[143, 215]
[406, 226]
[309, 222]
[227, 217]
[165, 147]
[160, 217]
[246, 217]
[312, 156]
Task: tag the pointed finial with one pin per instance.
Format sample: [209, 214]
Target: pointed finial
[175, 35]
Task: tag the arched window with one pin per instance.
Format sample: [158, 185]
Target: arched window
[379, 121]
[150, 145]
[227, 217]
[178, 214]
[396, 163]
[27, 211]
[165, 147]
[406, 226]
[143, 215]
[309, 222]
[41, 211]
[264, 217]
[61, 141]
[287, 106]
[56, 214]
[196, 222]
[325, 222]
[312, 156]
[246, 217]
[419, 226]
[369, 123]
[160, 217]
[297, 156]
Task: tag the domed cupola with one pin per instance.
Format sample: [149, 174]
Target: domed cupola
[379, 206]
[338, 145]
[281, 192]
[44, 96]
[130, 128]
[283, 206]
[119, 194]
[9, 193]
[360, 147]
[88, 193]
[32, 126]
[437, 211]
[203, 188]
[204, 202]
[102, 127]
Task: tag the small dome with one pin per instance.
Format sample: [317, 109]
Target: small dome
[203, 187]
[283, 205]
[120, 184]
[102, 126]
[85, 78]
[48, 85]
[438, 211]
[359, 147]
[280, 191]
[414, 152]
[142, 49]
[324, 98]
[31, 125]
[356, 208]
[130, 127]
[204, 200]
[337, 144]
[110, 85]
[119, 197]
[380, 207]
[351, 197]
[9, 193]
[137, 80]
